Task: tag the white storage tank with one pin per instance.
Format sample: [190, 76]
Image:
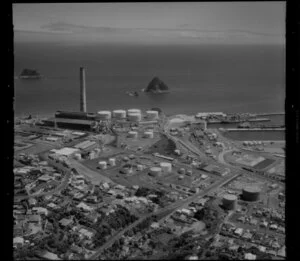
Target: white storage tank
[77, 156]
[177, 152]
[149, 134]
[112, 161]
[103, 115]
[134, 111]
[140, 167]
[102, 164]
[189, 173]
[155, 171]
[152, 115]
[181, 177]
[181, 171]
[135, 117]
[132, 134]
[166, 167]
[119, 114]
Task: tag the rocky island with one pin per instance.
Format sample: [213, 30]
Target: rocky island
[157, 86]
[30, 74]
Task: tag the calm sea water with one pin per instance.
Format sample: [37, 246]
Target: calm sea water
[255, 135]
[201, 78]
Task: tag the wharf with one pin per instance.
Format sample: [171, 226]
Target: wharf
[256, 129]
[269, 113]
[237, 121]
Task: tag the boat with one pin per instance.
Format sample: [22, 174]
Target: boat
[30, 74]
[134, 93]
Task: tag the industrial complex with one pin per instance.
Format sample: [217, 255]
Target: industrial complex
[134, 184]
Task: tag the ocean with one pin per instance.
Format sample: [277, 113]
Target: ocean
[225, 78]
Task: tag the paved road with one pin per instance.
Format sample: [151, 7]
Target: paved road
[173, 207]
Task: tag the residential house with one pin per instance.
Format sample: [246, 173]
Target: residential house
[65, 222]
[86, 233]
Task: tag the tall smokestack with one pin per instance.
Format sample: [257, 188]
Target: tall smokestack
[82, 90]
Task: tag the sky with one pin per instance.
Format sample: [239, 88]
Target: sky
[151, 23]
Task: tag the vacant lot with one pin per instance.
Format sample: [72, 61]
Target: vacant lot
[164, 146]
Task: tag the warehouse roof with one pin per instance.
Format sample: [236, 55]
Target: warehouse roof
[71, 121]
[65, 151]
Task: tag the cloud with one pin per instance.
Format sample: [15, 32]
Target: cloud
[73, 28]
[180, 34]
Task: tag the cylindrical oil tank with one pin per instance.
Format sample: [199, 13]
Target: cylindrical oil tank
[166, 167]
[181, 177]
[189, 172]
[103, 115]
[135, 117]
[152, 115]
[148, 134]
[119, 114]
[102, 164]
[155, 171]
[251, 193]
[134, 111]
[229, 201]
[132, 134]
[125, 159]
[181, 171]
[112, 161]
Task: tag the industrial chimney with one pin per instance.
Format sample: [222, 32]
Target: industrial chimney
[82, 90]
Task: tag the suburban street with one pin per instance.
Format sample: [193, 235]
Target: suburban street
[172, 207]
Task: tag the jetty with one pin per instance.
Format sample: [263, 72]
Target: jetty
[256, 129]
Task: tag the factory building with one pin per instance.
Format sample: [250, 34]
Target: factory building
[229, 201]
[73, 124]
[251, 193]
[86, 145]
[67, 152]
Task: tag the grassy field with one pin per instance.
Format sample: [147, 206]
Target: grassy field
[36, 148]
